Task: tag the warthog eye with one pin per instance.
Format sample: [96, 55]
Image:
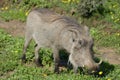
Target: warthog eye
[80, 42]
[73, 40]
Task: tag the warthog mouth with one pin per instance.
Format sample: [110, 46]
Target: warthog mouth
[93, 70]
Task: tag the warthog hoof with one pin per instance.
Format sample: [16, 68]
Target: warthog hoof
[38, 62]
[23, 58]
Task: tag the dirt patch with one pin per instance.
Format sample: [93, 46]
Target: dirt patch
[109, 55]
[16, 28]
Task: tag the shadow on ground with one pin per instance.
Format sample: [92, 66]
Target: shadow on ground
[104, 67]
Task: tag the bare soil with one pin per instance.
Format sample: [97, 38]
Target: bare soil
[16, 28]
[109, 55]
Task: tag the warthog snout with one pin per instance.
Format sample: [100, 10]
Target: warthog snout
[95, 68]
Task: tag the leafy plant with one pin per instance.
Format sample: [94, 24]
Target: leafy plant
[46, 55]
[88, 7]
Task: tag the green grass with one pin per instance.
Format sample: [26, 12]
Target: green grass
[105, 39]
[12, 69]
[7, 15]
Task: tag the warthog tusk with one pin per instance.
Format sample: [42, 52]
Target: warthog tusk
[100, 62]
[93, 71]
[83, 66]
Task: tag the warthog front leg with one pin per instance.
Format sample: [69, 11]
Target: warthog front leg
[38, 60]
[56, 60]
[75, 69]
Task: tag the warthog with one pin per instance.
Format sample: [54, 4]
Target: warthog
[49, 29]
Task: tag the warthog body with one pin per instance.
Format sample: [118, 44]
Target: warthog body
[57, 32]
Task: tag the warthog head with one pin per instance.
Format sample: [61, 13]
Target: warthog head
[82, 51]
